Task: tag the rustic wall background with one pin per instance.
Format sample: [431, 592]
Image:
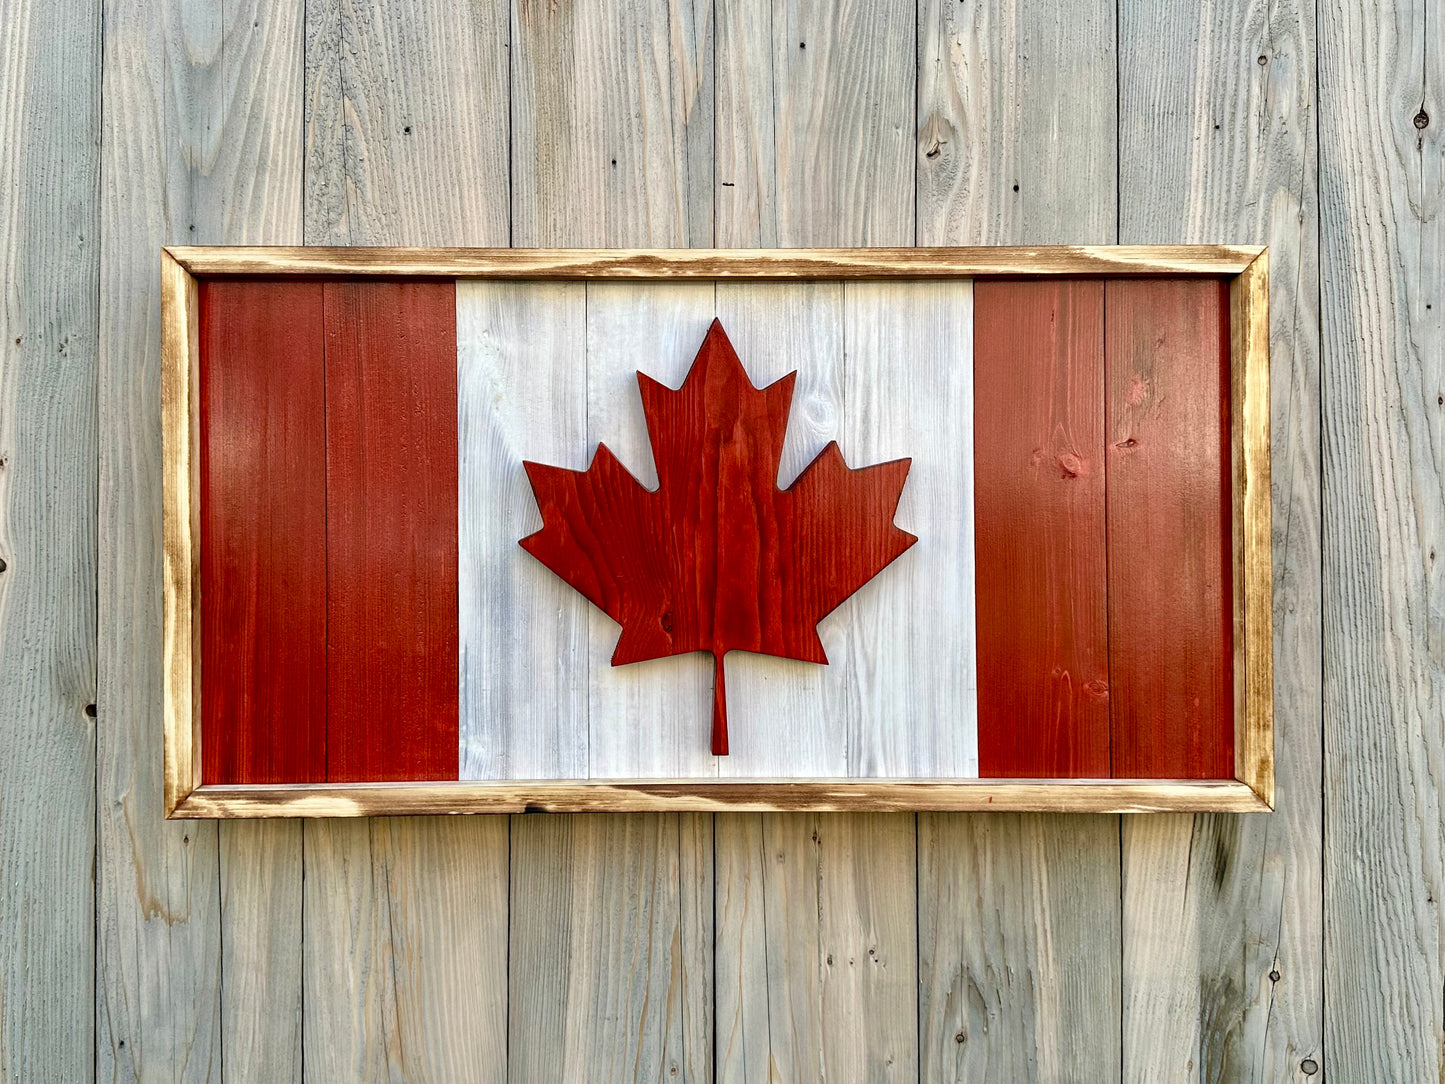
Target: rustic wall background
[689, 948]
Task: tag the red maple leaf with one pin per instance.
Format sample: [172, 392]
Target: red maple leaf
[718, 558]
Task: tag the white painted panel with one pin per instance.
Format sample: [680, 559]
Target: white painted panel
[521, 394]
[549, 371]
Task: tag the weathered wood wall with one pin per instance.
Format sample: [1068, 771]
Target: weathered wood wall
[735, 948]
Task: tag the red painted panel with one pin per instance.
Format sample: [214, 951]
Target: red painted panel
[1043, 693]
[263, 532]
[1170, 640]
[391, 468]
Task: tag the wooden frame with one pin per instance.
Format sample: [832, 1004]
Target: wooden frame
[1252, 790]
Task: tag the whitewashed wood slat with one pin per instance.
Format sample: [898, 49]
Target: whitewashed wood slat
[403, 147]
[201, 142]
[1018, 102]
[49, 217]
[912, 704]
[834, 997]
[1383, 381]
[814, 124]
[631, 83]
[1222, 922]
[521, 394]
[651, 719]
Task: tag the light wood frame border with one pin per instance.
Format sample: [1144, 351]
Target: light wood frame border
[1245, 267]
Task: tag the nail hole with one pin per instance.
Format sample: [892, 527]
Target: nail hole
[1016, 188]
[407, 129]
[802, 45]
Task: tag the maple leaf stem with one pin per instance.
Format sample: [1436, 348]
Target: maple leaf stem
[719, 708]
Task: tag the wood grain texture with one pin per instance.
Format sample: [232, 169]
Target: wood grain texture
[456, 88]
[812, 121]
[614, 108]
[990, 76]
[406, 136]
[912, 696]
[1043, 632]
[180, 531]
[961, 47]
[635, 86]
[263, 531]
[1216, 143]
[201, 141]
[524, 634]
[613, 965]
[994, 892]
[812, 145]
[391, 530]
[656, 264]
[1171, 561]
[1253, 528]
[722, 795]
[841, 1002]
[49, 214]
[385, 998]
[1384, 533]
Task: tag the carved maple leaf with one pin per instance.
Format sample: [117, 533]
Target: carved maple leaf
[718, 558]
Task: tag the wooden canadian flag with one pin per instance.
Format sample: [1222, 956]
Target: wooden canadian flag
[368, 615]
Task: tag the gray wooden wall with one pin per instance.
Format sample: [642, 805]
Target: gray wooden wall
[689, 948]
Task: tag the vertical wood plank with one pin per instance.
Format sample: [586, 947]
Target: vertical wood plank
[391, 530]
[1003, 901]
[522, 373]
[1018, 95]
[370, 73]
[776, 329]
[814, 111]
[1043, 634]
[924, 669]
[50, 122]
[821, 1000]
[612, 107]
[814, 107]
[201, 143]
[1171, 617]
[630, 85]
[1223, 942]
[1381, 188]
[651, 719]
[263, 532]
